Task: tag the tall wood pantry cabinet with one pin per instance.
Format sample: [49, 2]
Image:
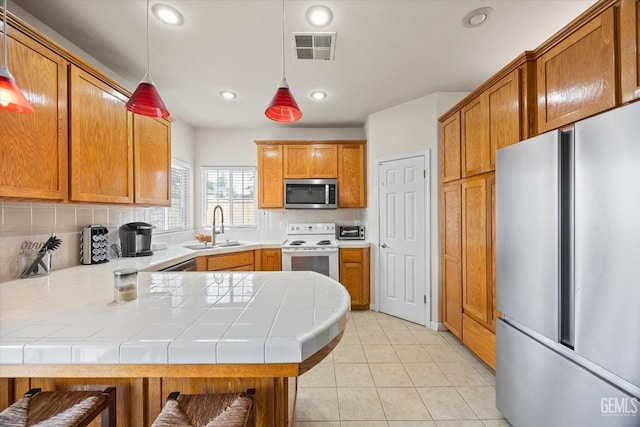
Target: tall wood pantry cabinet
[489, 119]
[589, 66]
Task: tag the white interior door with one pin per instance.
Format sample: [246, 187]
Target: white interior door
[403, 263]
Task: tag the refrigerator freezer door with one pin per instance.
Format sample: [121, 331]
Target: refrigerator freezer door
[527, 233]
[607, 241]
[536, 386]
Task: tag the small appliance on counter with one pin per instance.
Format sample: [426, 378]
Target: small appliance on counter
[350, 232]
[94, 245]
[135, 239]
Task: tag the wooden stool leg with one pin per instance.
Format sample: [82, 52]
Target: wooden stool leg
[109, 417]
[251, 421]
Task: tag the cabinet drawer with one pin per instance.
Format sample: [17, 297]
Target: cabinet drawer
[351, 255]
[230, 261]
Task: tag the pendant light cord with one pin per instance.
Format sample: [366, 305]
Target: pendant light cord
[283, 66]
[4, 34]
[148, 60]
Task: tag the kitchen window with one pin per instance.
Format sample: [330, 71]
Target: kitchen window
[175, 217]
[233, 188]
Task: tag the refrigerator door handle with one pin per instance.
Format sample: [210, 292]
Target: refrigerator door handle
[566, 249]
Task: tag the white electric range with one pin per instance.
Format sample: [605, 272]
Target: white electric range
[311, 247]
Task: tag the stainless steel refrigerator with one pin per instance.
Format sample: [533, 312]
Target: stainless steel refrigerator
[568, 275]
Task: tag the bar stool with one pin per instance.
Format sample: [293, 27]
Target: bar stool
[208, 410]
[61, 408]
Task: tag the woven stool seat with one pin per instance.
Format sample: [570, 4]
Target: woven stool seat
[61, 409]
[207, 410]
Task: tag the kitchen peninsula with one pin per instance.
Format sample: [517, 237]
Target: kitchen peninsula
[193, 332]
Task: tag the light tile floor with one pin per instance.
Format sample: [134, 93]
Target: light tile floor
[387, 372]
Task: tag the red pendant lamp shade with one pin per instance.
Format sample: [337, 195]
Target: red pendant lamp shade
[11, 98]
[283, 107]
[146, 100]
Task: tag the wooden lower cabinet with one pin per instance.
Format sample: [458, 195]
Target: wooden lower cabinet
[468, 260]
[354, 275]
[235, 261]
[479, 339]
[268, 259]
[452, 258]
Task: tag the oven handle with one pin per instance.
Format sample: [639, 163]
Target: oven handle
[308, 251]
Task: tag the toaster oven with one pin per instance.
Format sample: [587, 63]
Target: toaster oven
[350, 232]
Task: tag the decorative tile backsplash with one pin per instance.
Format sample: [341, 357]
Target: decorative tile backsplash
[34, 222]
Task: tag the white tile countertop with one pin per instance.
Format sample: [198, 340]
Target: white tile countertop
[69, 317]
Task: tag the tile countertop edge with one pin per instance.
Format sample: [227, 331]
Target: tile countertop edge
[22, 350]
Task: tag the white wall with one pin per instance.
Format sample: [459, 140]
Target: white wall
[404, 129]
[236, 147]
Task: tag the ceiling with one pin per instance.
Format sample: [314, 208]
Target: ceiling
[387, 51]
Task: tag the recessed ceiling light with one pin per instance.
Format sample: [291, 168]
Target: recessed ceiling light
[167, 14]
[319, 15]
[227, 94]
[318, 95]
[477, 17]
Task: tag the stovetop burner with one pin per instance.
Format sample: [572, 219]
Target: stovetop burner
[306, 236]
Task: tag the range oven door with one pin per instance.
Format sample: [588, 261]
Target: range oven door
[323, 261]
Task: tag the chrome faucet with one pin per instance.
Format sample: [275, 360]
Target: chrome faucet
[214, 232]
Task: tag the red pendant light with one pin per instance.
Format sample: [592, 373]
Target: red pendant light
[146, 100]
[283, 107]
[11, 98]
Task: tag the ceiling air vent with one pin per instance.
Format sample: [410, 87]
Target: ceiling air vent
[315, 45]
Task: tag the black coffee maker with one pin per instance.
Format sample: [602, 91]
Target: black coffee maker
[135, 239]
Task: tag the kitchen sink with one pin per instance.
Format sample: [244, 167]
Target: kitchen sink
[200, 246]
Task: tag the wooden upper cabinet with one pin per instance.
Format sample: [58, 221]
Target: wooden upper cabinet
[576, 78]
[270, 182]
[152, 160]
[630, 49]
[476, 249]
[450, 148]
[311, 161]
[451, 227]
[505, 112]
[476, 147]
[352, 176]
[33, 163]
[101, 146]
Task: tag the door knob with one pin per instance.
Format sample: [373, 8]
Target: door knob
[384, 245]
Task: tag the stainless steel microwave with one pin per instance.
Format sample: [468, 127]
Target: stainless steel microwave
[310, 193]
